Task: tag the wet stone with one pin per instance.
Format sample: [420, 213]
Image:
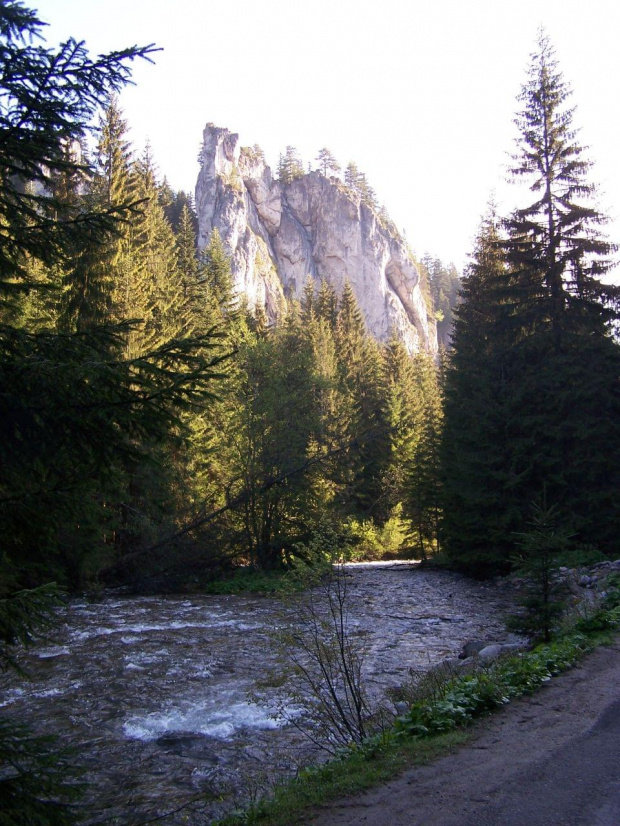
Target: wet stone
[159, 695]
[189, 745]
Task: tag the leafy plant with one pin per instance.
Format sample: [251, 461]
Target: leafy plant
[371, 541]
[600, 620]
[248, 581]
[463, 699]
[611, 600]
[424, 685]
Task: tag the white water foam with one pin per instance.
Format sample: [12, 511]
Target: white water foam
[175, 625]
[11, 696]
[147, 657]
[202, 718]
[48, 692]
[49, 653]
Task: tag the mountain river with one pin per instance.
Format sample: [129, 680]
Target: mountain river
[169, 699]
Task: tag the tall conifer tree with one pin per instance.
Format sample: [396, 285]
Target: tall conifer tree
[402, 412]
[476, 470]
[565, 431]
[554, 243]
[544, 417]
[423, 500]
[360, 370]
[327, 304]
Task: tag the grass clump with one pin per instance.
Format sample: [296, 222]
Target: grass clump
[248, 581]
[355, 771]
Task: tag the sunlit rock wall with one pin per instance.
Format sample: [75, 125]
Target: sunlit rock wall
[280, 235]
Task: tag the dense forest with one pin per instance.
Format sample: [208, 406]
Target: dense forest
[157, 432]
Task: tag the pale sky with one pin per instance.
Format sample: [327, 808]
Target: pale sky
[421, 95]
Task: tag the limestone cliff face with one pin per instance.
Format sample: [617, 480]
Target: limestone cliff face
[280, 235]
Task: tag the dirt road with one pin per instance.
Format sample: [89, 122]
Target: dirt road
[552, 759]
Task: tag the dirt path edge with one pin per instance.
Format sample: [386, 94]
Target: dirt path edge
[547, 759]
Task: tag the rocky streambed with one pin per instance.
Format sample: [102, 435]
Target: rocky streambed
[171, 699]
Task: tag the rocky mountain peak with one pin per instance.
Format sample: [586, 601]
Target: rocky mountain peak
[278, 235]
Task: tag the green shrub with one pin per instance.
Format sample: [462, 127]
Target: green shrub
[247, 581]
[466, 698]
[611, 600]
[370, 541]
[600, 620]
[542, 597]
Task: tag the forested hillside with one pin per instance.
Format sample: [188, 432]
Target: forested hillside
[157, 432]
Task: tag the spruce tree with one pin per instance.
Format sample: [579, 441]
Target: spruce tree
[334, 422]
[358, 183]
[94, 272]
[423, 504]
[555, 243]
[367, 193]
[61, 429]
[351, 176]
[217, 272]
[477, 523]
[359, 360]
[308, 301]
[326, 304]
[153, 291]
[532, 397]
[78, 415]
[113, 156]
[327, 163]
[187, 259]
[564, 431]
[290, 166]
[444, 285]
[402, 412]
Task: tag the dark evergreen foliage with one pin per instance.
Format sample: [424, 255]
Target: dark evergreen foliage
[532, 396]
[119, 463]
[542, 601]
[444, 284]
[49, 98]
[554, 243]
[476, 471]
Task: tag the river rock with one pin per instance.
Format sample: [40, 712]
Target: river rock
[472, 647]
[492, 652]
